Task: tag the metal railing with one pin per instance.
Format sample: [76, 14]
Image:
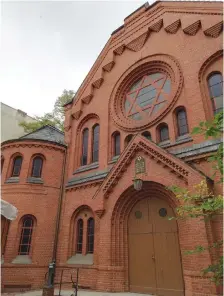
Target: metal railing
[74, 281]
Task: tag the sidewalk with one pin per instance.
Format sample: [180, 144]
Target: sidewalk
[69, 292]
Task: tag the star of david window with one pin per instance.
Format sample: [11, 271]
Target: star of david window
[147, 96]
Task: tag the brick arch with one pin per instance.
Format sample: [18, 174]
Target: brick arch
[78, 142]
[73, 223]
[11, 162]
[119, 223]
[19, 229]
[42, 156]
[85, 119]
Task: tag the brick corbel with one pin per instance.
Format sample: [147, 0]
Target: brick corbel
[193, 28]
[173, 28]
[215, 30]
[157, 26]
[97, 83]
[108, 67]
[87, 99]
[138, 43]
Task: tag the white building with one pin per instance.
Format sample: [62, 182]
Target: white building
[10, 119]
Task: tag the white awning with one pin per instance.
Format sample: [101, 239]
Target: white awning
[8, 211]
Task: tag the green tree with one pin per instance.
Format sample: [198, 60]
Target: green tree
[201, 202]
[55, 118]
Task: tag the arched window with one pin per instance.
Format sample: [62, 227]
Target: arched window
[215, 84]
[163, 133]
[85, 137]
[95, 150]
[79, 238]
[26, 236]
[116, 143]
[90, 235]
[128, 139]
[182, 125]
[147, 135]
[37, 167]
[17, 163]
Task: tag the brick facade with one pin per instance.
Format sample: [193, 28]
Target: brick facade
[182, 40]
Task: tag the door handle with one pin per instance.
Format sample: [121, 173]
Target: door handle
[153, 257]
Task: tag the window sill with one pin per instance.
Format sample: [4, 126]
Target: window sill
[81, 259]
[87, 167]
[114, 159]
[181, 138]
[12, 180]
[34, 180]
[22, 259]
[164, 143]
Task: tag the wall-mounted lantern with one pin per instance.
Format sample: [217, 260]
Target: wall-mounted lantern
[138, 184]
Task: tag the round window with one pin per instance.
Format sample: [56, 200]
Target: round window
[146, 92]
[163, 212]
[138, 215]
[147, 96]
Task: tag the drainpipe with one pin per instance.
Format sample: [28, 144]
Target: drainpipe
[52, 265]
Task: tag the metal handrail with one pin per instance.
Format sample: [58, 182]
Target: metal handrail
[73, 282]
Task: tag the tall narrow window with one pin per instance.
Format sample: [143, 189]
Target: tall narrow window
[85, 137]
[26, 236]
[37, 167]
[147, 135]
[116, 140]
[182, 122]
[79, 236]
[90, 235]
[215, 84]
[17, 163]
[163, 133]
[95, 150]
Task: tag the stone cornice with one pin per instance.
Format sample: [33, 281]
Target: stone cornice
[32, 143]
[195, 153]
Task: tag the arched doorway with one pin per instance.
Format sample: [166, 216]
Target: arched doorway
[153, 249]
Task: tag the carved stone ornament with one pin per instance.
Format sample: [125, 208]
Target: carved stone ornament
[139, 165]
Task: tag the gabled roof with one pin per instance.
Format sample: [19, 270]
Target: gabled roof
[46, 133]
[171, 16]
[168, 161]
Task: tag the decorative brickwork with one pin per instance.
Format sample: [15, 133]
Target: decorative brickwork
[167, 48]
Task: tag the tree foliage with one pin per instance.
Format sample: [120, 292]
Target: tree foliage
[201, 202]
[55, 118]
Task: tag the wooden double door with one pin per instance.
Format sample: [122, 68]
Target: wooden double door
[154, 254]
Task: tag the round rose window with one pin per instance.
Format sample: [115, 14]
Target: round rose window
[146, 92]
[147, 96]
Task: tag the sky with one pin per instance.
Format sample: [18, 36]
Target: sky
[47, 47]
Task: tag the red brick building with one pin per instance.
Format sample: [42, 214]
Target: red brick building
[157, 77]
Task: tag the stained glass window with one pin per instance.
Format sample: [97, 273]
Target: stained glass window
[147, 96]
